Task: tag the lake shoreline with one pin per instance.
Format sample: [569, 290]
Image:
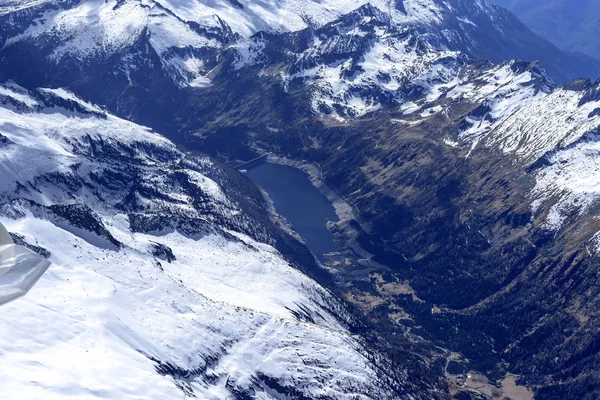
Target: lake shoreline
[345, 235]
[342, 208]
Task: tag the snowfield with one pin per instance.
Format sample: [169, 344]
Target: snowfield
[94, 324]
[131, 311]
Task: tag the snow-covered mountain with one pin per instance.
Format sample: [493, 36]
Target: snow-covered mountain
[183, 34]
[360, 64]
[472, 176]
[183, 39]
[162, 284]
[147, 61]
[475, 182]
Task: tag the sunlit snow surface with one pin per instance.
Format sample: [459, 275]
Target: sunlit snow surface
[227, 311]
[177, 30]
[245, 17]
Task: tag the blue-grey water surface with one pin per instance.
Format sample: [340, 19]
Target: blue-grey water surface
[300, 202]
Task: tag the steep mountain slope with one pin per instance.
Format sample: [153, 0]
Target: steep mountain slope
[159, 287]
[570, 25]
[462, 178]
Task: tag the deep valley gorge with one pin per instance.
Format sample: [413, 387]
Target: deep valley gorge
[465, 180]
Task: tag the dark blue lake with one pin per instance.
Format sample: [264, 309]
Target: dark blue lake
[302, 204]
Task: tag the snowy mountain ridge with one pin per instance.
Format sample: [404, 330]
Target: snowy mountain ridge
[359, 64]
[181, 33]
[188, 36]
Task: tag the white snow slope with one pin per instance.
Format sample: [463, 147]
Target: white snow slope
[110, 319]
